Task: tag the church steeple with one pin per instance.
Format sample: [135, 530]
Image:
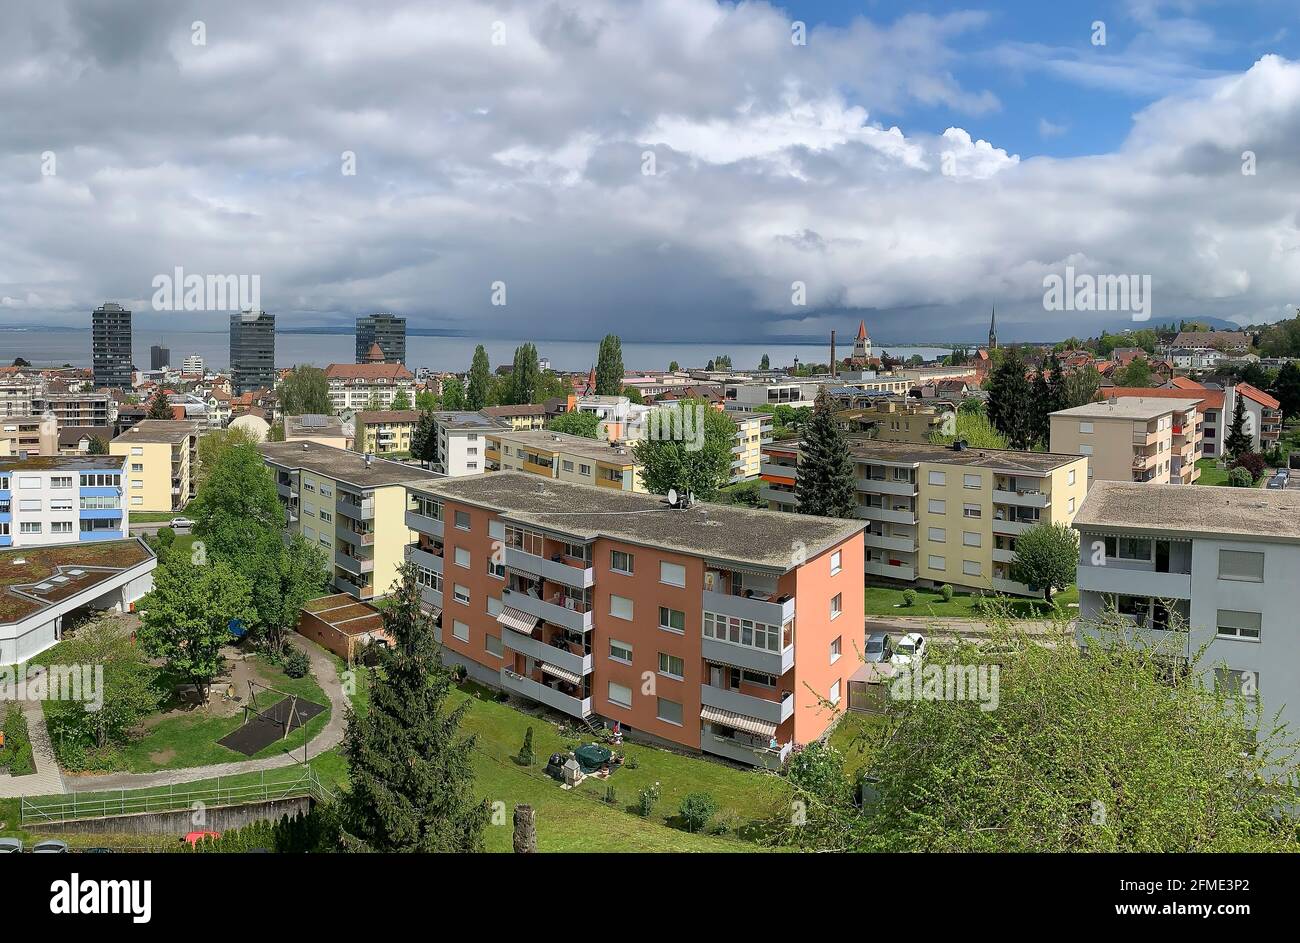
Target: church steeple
[993, 330]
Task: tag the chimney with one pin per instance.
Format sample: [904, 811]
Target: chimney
[832, 354]
[369, 459]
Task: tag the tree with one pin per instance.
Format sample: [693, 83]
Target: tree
[1041, 398]
[696, 809]
[973, 428]
[401, 401]
[425, 401]
[1047, 557]
[679, 457]
[525, 376]
[287, 577]
[480, 382]
[1238, 440]
[633, 395]
[303, 391]
[584, 424]
[1287, 389]
[1137, 373]
[765, 363]
[424, 444]
[453, 395]
[1082, 386]
[159, 406]
[1010, 406]
[825, 486]
[186, 616]
[237, 507]
[609, 366]
[97, 446]
[673, 367]
[213, 445]
[1239, 477]
[410, 771]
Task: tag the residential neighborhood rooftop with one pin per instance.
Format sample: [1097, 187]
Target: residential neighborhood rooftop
[169, 431]
[546, 441]
[722, 532]
[342, 464]
[465, 419]
[874, 450]
[32, 578]
[368, 417]
[1256, 513]
[309, 424]
[61, 462]
[1130, 407]
[518, 409]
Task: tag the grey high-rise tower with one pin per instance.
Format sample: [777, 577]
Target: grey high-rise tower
[110, 346]
[386, 330]
[159, 357]
[252, 351]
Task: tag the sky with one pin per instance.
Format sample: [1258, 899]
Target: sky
[662, 169]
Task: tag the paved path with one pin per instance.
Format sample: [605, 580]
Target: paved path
[47, 779]
[326, 675]
[940, 626]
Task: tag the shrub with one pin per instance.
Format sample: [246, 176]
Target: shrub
[611, 797]
[1239, 478]
[1253, 462]
[632, 763]
[646, 799]
[946, 592]
[696, 810]
[526, 757]
[295, 663]
[17, 752]
[166, 537]
[909, 597]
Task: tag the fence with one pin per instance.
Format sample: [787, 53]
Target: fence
[236, 790]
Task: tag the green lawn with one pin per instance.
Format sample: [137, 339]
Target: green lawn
[1210, 473]
[888, 601]
[154, 517]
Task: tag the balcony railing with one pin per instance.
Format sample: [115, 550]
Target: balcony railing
[898, 544]
[1134, 581]
[774, 712]
[362, 511]
[746, 656]
[1024, 499]
[578, 575]
[742, 751]
[535, 690]
[756, 608]
[544, 651]
[425, 525]
[872, 513]
[900, 571]
[430, 561]
[551, 612]
[353, 564]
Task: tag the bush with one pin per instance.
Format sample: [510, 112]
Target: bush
[909, 597]
[526, 756]
[611, 797]
[946, 592]
[696, 810]
[646, 799]
[166, 537]
[17, 753]
[295, 663]
[1253, 462]
[1239, 478]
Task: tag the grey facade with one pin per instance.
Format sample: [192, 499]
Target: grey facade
[252, 351]
[110, 346]
[386, 330]
[159, 357]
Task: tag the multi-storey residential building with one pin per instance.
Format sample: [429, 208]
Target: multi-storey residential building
[29, 435]
[899, 420]
[19, 395]
[192, 364]
[753, 431]
[524, 416]
[1261, 415]
[386, 330]
[89, 408]
[374, 384]
[1200, 567]
[110, 346]
[570, 458]
[697, 627]
[461, 438]
[386, 431]
[252, 351]
[749, 394]
[350, 505]
[1133, 438]
[61, 499]
[314, 427]
[940, 514]
[161, 458]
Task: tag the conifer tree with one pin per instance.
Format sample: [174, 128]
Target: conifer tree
[609, 366]
[1010, 406]
[1238, 440]
[480, 380]
[826, 486]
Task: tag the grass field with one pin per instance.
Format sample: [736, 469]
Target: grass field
[888, 601]
[1210, 473]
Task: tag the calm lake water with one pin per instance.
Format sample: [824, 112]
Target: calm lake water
[55, 348]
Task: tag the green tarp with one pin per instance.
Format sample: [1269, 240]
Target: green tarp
[592, 757]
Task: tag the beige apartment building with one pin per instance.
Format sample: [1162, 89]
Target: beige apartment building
[899, 420]
[317, 428]
[570, 458]
[1133, 438]
[386, 431]
[938, 514]
[162, 456]
[753, 431]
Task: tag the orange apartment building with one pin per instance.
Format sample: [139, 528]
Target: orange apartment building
[722, 629]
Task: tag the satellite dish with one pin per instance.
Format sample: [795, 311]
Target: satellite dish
[672, 497]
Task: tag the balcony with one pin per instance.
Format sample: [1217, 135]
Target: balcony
[1011, 587]
[746, 656]
[742, 751]
[544, 651]
[353, 564]
[1003, 556]
[356, 510]
[872, 513]
[432, 598]
[1132, 581]
[573, 575]
[1145, 436]
[544, 694]
[898, 544]
[1024, 499]
[425, 525]
[754, 608]
[547, 611]
[423, 558]
[899, 571]
[779, 471]
[1014, 527]
[777, 495]
[774, 712]
[886, 486]
[354, 586]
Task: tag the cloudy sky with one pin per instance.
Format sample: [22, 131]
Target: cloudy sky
[666, 169]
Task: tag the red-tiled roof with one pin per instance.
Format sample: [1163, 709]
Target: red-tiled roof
[1258, 395]
[1209, 399]
[367, 371]
[1187, 383]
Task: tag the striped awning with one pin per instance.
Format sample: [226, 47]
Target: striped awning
[562, 673]
[519, 621]
[716, 715]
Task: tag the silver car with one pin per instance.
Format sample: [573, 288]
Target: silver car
[50, 846]
[10, 846]
[878, 647]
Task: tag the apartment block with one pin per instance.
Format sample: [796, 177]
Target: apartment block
[386, 431]
[358, 386]
[899, 420]
[1133, 438]
[695, 627]
[461, 438]
[939, 514]
[90, 408]
[61, 499]
[162, 456]
[252, 351]
[29, 435]
[570, 458]
[386, 330]
[314, 427]
[110, 346]
[753, 431]
[522, 416]
[18, 395]
[749, 394]
[351, 506]
[1200, 567]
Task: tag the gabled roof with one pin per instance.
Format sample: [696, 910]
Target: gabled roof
[1208, 399]
[367, 371]
[1258, 395]
[1187, 383]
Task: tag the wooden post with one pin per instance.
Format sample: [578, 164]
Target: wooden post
[525, 830]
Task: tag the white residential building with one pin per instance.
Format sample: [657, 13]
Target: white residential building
[462, 442]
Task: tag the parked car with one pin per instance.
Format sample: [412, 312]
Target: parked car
[1277, 481]
[181, 523]
[10, 846]
[193, 838]
[878, 647]
[50, 846]
[910, 646]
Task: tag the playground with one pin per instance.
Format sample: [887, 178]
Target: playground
[263, 726]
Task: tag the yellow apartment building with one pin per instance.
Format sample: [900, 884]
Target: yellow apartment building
[386, 432]
[518, 417]
[753, 431]
[352, 507]
[564, 457]
[1133, 438]
[899, 420]
[162, 456]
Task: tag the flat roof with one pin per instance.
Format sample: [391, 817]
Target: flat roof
[346, 613]
[717, 531]
[903, 453]
[54, 573]
[464, 419]
[169, 431]
[309, 424]
[1130, 407]
[546, 441]
[1193, 510]
[341, 464]
[60, 462]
